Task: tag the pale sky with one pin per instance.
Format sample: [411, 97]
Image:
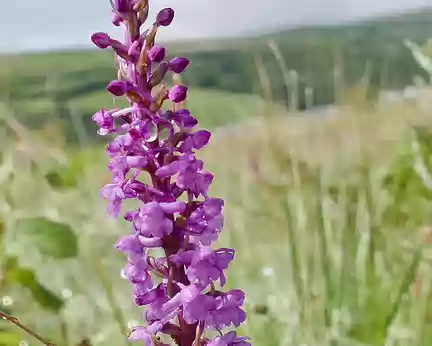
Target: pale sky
[53, 24]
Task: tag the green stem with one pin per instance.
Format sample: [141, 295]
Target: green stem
[64, 331]
[324, 261]
[15, 321]
[295, 259]
[406, 283]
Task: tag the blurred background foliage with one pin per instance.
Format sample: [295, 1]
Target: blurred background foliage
[329, 208]
[325, 60]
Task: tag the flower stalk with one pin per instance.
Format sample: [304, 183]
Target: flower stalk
[15, 321]
[171, 264]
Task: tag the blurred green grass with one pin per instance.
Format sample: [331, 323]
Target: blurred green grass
[211, 107]
[314, 52]
[325, 251]
[330, 216]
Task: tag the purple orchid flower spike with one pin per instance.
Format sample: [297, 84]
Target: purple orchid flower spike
[175, 212]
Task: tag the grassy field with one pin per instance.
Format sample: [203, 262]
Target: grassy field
[330, 215]
[213, 108]
[319, 55]
[329, 218]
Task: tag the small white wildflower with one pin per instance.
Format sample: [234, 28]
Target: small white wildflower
[23, 343]
[267, 271]
[66, 293]
[7, 301]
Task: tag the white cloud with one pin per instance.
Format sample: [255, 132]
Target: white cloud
[43, 24]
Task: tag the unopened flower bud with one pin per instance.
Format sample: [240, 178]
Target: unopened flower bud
[178, 93]
[165, 17]
[156, 53]
[178, 64]
[117, 87]
[101, 40]
[122, 6]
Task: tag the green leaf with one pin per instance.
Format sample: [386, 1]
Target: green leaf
[9, 338]
[51, 238]
[68, 176]
[422, 60]
[409, 278]
[62, 178]
[55, 179]
[27, 278]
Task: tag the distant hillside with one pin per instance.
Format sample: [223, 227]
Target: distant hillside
[373, 46]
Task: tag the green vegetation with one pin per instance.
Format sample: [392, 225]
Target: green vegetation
[332, 235]
[330, 216]
[372, 49]
[213, 108]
